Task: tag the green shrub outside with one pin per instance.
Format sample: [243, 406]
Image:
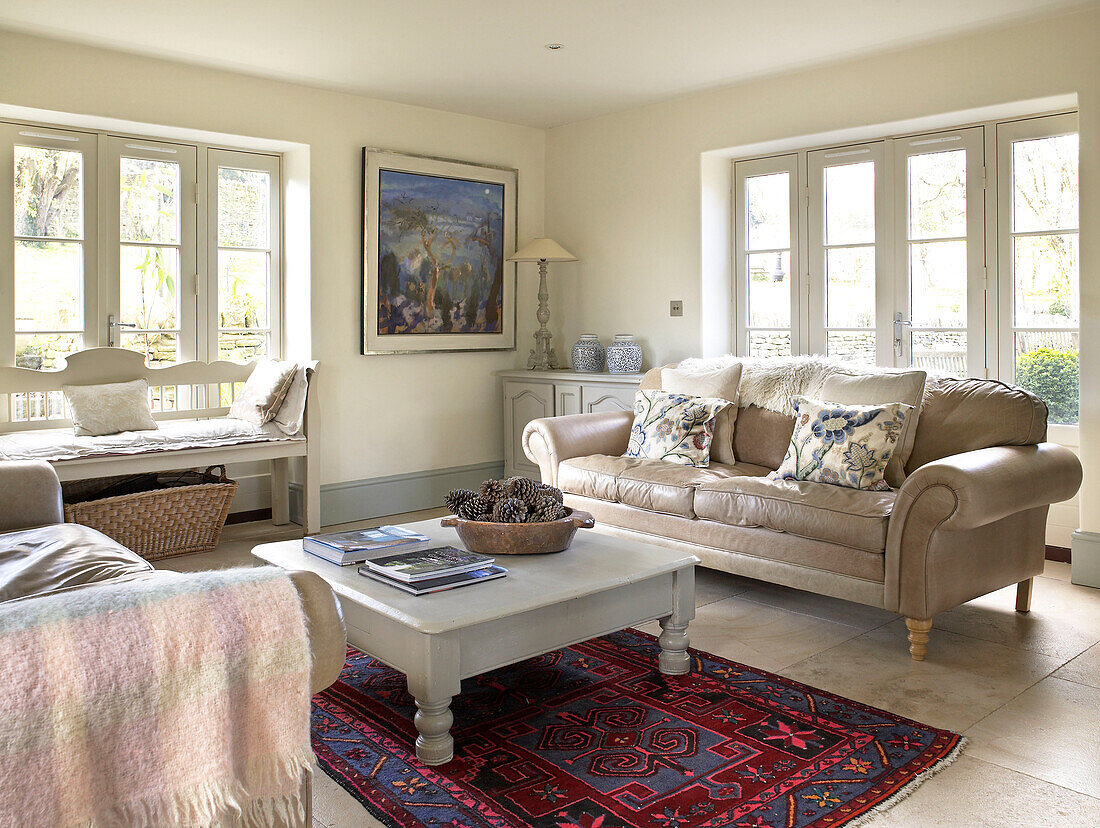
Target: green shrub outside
[1054, 377]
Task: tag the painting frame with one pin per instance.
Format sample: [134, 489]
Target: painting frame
[379, 164]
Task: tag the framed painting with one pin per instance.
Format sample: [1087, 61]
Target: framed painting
[436, 234]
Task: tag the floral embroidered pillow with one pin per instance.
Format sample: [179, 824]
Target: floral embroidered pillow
[846, 445]
[677, 428]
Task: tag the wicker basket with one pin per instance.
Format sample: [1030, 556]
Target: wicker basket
[169, 514]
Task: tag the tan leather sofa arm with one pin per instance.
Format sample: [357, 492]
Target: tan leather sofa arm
[325, 625]
[549, 440]
[979, 487]
[30, 495]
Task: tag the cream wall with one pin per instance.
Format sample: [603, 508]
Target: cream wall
[634, 195]
[381, 415]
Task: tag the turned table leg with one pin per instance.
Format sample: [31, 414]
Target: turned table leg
[1023, 595]
[918, 637]
[434, 745]
[674, 659]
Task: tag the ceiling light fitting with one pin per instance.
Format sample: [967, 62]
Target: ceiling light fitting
[553, 47]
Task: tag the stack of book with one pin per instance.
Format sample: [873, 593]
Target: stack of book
[359, 545]
[432, 570]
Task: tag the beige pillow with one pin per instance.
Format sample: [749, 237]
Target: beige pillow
[877, 389]
[720, 383]
[109, 408]
[264, 392]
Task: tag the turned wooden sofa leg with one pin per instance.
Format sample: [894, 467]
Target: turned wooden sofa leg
[1023, 595]
[918, 637]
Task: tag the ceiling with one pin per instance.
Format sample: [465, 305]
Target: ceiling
[488, 57]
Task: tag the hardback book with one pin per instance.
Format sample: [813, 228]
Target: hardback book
[439, 583]
[358, 545]
[428, 563]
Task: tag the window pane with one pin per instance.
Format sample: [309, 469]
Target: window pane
[851, 346]
[940, 351]
[938, 282]
[1047, 366]
[769, 198]
[242, 289]
[770, 290]
[850, 287]
[45, 351]
[150, 201]
[49, 286]
[149, 284]
[1045, 273]
[850, 203]
[159, 348]
[769, 343]
[49, 192]
[242, 346]
[243, 204]
[1044, 184]
[937, 195]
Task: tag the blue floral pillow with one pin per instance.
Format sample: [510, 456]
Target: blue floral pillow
[677, 428]
[846, 445]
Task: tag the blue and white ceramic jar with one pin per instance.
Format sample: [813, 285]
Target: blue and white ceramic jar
[624, 355]
[587, 354]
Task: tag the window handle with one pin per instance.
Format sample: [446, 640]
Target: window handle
[900, 323]
[111, 325]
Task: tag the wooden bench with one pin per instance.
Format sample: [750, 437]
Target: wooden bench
[32, 400]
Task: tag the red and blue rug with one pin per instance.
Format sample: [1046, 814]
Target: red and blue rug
[593, 736]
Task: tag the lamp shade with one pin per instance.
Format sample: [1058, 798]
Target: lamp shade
[542, 250]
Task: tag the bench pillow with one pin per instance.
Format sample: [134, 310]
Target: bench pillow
[263, 393]
[109, 408]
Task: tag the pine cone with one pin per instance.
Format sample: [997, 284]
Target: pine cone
[485, 517]
[492, 490]
[510, 510]
[546, 509]
[474, 507]
[522, 488]
[553, 492]
[456, 498]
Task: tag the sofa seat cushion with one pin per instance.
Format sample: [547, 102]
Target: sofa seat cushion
[62, 556]
[850, 517]
[653, 485]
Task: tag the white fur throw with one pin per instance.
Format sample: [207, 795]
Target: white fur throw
[770, 382]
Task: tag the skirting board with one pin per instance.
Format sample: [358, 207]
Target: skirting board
[1085, 555]
[392, 495]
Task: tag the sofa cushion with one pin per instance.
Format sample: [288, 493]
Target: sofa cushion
[723, 383]
[653, 485]
[849, 517]
[762, 436]
[962, 415]
[65, 555]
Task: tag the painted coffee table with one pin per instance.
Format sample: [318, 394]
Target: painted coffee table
[599, 585]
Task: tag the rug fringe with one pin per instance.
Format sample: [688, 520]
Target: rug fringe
[910, 786]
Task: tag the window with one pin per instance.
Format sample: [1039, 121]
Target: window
[905, 265]
[187, 264]
[1039, 260]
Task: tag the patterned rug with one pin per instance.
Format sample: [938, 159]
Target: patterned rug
[593, 736]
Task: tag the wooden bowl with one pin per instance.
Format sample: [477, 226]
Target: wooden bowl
[520, 538]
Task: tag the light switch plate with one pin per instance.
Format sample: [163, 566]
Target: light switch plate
[676, 307]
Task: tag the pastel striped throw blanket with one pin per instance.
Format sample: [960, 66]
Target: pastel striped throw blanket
[166, 701]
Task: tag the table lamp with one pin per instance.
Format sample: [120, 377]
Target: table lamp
[542, 251]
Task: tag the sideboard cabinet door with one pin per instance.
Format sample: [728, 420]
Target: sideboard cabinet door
[597, 398]
[523, 402]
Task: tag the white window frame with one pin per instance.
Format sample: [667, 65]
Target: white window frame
[750, 169]
[48, 138]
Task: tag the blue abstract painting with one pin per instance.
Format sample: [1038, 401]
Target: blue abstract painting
[440, 254]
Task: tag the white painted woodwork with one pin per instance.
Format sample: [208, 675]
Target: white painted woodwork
[26, 403]
[529, 395]
[599, 585]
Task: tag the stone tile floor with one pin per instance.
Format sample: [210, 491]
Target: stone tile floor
[1025, 689]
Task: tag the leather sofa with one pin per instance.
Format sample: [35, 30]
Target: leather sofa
[40, 555]
[969, 518]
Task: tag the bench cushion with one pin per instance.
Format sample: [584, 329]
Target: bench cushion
[850, 517]
[173, 435]
[653, 485]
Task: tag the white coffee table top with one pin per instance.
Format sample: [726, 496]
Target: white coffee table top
[593, 563]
